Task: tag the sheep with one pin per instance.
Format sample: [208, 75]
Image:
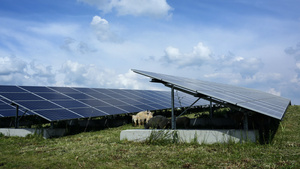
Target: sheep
[134, 119]
[158, 122]
[144, 115]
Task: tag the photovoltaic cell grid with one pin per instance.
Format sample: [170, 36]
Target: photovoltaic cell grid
[63, 103]
[254, 100]
[7, 110]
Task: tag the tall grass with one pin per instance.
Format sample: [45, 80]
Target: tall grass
[103, 149]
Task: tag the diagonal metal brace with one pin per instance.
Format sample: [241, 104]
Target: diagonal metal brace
[189, 107]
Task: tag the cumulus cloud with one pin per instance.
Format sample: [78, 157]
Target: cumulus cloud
[295, 52]
[152, 8]
[102, 30]
[274, 92]
[10, 65]
[246, 67]
[202, 56]
[131, 80]
[42, 74]
[77, 74]
[14, 70]
[197, 57]
[72, 45]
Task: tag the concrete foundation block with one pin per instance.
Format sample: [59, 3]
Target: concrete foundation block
[23, 132]
[188, 136]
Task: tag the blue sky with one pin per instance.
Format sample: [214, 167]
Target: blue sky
[95, 43]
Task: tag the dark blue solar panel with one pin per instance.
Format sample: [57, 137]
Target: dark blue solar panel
[98, 95]
[7, 110]
[36, 105]
[130, 108]
[20, 96]
[53, 96]
[146, 107]
[146, 98]
[158, 106]
[95, 103]
[136, 101]
[36, 89]
[62, 103]
[5, 106]
[58, 114]
[113, 110]
[89, 112]
[63, 89]
[7, 113]
[78, 96]
[71, 104]
[114, 102]
[10, 89]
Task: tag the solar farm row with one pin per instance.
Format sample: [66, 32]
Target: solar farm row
[63, 103]
[254, 100]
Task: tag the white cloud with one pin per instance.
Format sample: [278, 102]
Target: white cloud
[292, 50]
[10, 65]
[246, 67]
[97, 20]
[197, 57]
[201, 56]
[73, 73]
[102, 30]
[40, 74]
[14, 70]
[152, 8]
[298, 65]
[74, 46]
[295, 52]
[274, 92]
[156, 8]
[224, 77]
[131, 80]
[260, 77]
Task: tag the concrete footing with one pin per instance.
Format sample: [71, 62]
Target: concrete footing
[188, 136]
[23, 132]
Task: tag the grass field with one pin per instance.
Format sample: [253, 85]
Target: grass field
[103, 149]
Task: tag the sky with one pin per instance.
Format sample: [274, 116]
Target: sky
[96, 43]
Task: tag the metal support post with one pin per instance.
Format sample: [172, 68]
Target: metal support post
[17, 117]
[172, 104]
[245, 121]
[210, 109]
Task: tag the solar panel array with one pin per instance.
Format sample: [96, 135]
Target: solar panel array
[63, 103]
[8, 110]
[254, 100]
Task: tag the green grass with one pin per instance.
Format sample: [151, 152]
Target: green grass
[103, 149]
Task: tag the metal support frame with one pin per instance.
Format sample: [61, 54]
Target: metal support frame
[196, 94]
[245, 121]
[17, 115]
[172, 104]
[189, 107]
[210, 110]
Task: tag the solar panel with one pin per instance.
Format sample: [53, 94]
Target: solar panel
[250, 99]
[8, 110]
[64, 103]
